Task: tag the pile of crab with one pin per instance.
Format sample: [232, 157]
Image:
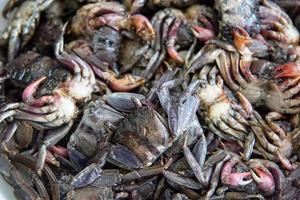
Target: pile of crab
[135, 99]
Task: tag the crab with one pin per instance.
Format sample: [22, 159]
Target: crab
[174, 30]
[274, 87]
[94, 15]
[262, 19]
[274, 142]
[277, 95]
[100, 29]
[21, 29]
[197, 18]
[276, 24]
[223, 113]
[59, 109]
[122, 83]
[93, 128]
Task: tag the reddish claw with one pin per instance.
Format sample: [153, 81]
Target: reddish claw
[234, 179]
[241, 38]
[143, 27]
[28, 94]
[264, 179]
[124, 84]
[203, 34]
[287, 70]
[172, 35]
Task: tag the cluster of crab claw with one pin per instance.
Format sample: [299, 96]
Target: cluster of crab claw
[150, 99]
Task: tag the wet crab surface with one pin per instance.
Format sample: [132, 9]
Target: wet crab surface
[134, 99]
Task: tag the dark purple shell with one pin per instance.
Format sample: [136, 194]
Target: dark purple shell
[143, 132]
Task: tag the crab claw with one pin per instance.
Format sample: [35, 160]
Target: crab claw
[287, 70]
[29, 91]
[264, 179]
[203, 34]
[172, 35]
[124, 84]
[143, 27]
[241, 38]
[234, 179]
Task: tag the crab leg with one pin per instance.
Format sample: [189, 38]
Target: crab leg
[38, 110]
[248, 146]
[215, 178]
[270, 117]
[227, 129]
[52, 138]
[30, 162]
[9, 131]
[171, 39]
[200, 150]
[193, 163]
[151, 171]
[225, 69]
[220, 133]
[187, 182]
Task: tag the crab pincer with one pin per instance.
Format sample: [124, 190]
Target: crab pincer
[29, 91]
[264, 179]
[171, 40]
[203, 34]
[287, 70]
[123, 84]
[234, 179]
[267, 175]
[142, 27]
[241, 38]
